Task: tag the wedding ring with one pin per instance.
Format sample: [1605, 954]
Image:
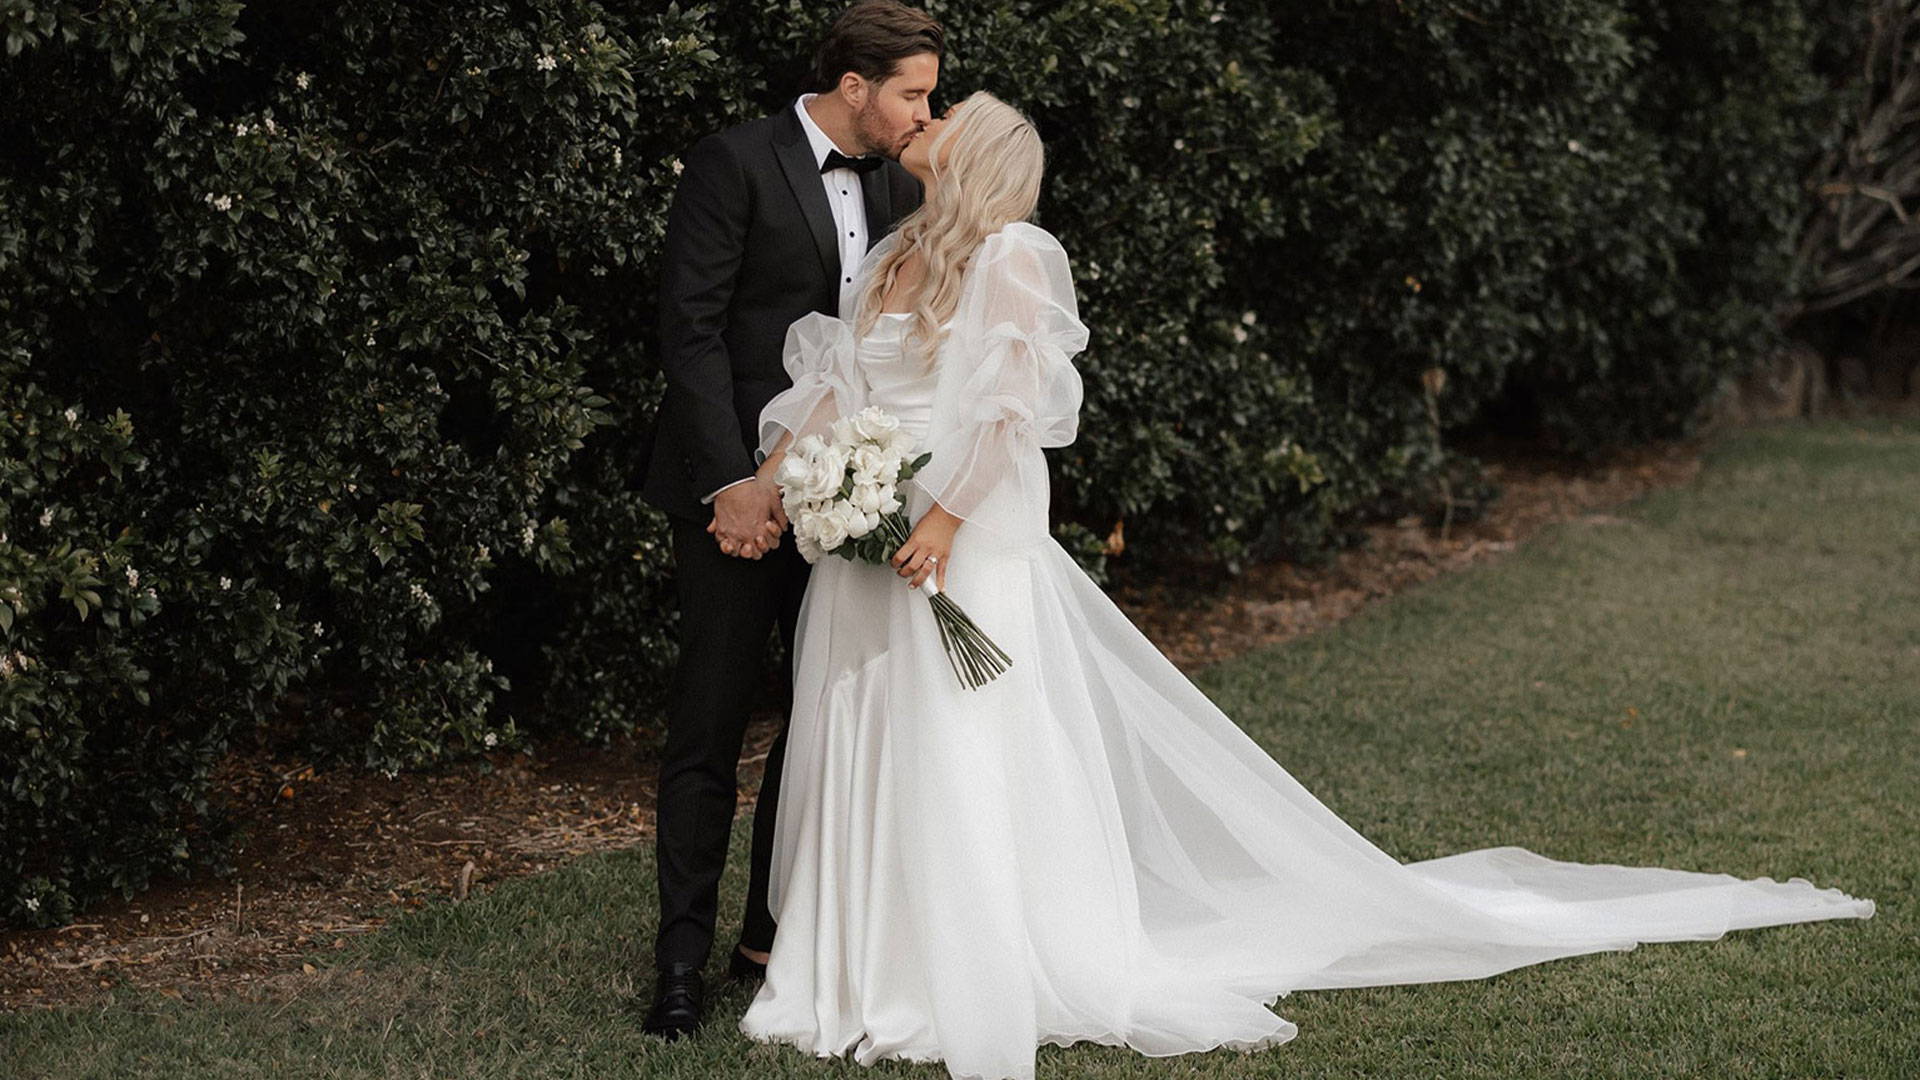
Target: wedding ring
[933, 558]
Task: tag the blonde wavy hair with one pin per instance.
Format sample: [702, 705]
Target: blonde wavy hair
[992, 180]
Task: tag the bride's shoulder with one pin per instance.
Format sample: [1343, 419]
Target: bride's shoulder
[1023, 234]
[1020, 244]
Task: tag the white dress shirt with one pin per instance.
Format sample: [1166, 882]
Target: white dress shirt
[849, 219]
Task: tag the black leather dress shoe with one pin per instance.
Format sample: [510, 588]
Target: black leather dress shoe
[742, 966]
[677, 1000]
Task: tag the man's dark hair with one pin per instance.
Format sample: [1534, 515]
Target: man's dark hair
[871, 38]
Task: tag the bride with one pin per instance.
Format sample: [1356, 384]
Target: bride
[1085, 848]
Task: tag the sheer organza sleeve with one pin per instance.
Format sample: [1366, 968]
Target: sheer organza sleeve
[826, 383]
[1008, 386]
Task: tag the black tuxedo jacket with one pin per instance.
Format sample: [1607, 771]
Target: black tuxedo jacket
[750, 247]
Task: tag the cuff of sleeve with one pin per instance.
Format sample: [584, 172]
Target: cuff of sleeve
[710, 496]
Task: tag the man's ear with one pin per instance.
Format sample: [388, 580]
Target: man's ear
[854, 89]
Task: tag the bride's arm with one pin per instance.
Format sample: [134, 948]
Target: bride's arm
[827, 385]
[1016, 332]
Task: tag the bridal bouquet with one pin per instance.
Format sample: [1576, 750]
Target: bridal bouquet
[842, 496]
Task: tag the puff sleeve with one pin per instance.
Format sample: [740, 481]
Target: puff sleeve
[827, 384]
[1008, 387]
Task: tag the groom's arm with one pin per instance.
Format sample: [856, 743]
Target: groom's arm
[705, 245]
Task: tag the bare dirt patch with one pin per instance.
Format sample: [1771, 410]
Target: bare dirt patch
[332, 853]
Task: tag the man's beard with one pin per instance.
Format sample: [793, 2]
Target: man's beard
[870, 127]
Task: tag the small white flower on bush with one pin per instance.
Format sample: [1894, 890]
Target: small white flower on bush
[226, 583]
[420, 594]
[6, 667]
[46, 517]
[133, 578]
[482, 554]
[319, 631]
[33, 903]
[1248, 318]
[491, 739]
[1240, 334]
[1573, 145]
[678, 168]
[73, 416]
[240, 128]
[303, 80]
[526, 535]
[545, 62]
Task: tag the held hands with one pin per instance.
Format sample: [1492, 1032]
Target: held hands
[749, 518]
[927, 548]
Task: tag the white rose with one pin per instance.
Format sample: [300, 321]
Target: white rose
[867, 498]
[868, 461]
[830, 528]
[844, 433]
[806, 522]
[829, 470]
[876, 423]
[793, 472]
[809, 550]
[854, 519]
[792, 502]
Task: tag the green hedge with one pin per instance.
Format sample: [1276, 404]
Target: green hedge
[325, 333]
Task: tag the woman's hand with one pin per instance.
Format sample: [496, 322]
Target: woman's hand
[927, 549]
[767, 473]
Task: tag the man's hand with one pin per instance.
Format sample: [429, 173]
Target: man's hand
[748, 518]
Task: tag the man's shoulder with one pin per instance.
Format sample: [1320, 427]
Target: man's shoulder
[751, 133]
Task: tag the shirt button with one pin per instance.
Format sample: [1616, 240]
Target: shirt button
[843, 191]
[849, 234]
[849, 281]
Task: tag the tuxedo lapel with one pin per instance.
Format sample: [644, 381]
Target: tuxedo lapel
[803, 176]
[877, 193]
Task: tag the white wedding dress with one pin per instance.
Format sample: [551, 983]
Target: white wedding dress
[1086, 848]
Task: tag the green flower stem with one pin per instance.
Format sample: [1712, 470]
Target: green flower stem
[975, 658]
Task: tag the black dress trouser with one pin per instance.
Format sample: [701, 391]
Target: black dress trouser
[727, 607]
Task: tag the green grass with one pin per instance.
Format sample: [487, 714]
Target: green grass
[1726, 679]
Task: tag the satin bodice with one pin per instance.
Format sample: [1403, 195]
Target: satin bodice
[900, 383]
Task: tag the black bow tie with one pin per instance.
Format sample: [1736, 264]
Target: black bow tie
[864, 164]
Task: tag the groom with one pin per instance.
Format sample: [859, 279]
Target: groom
[769, 221]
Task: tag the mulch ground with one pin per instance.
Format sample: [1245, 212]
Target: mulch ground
[331, 853]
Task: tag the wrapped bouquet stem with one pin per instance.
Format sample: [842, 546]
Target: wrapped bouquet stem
[842, 496]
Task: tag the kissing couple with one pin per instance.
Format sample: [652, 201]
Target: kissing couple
[1084, 848]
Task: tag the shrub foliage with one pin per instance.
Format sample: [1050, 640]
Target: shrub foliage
[325, 330]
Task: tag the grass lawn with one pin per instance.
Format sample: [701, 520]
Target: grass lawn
[1724, 677]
